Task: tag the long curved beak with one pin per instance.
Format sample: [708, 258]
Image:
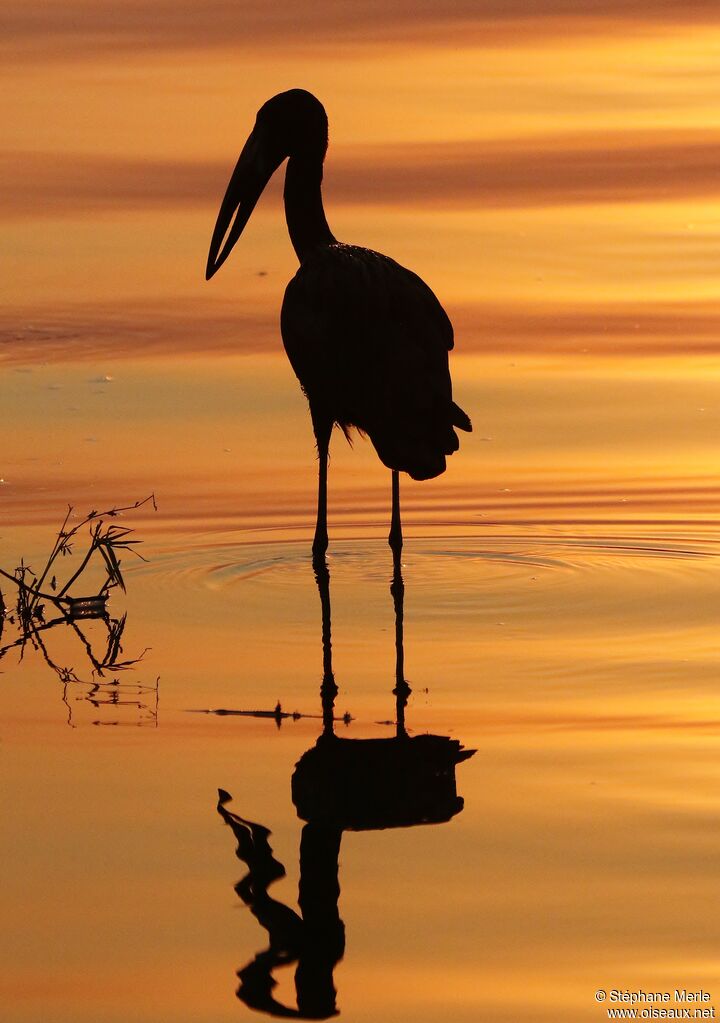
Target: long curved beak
[252, 172]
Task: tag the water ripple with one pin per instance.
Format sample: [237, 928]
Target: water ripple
[505, 560]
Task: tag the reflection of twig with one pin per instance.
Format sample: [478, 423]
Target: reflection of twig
[119, 695]
[115, 628]
[65, 700]
[278, 714]
[64, 674]
[38, 628]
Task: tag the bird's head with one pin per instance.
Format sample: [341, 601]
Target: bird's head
[291, 124]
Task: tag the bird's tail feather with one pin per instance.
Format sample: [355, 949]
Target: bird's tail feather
[421, 455]
[461, 419]
[413, 432]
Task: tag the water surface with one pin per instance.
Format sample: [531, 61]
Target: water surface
[561, 605]
[552, 173]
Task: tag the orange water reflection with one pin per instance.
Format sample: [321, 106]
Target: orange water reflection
[227, 443]
[552, 174]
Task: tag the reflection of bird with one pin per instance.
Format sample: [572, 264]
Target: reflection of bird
[367, 338]
[338, 785]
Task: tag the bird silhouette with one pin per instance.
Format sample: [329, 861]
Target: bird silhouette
[367, 338]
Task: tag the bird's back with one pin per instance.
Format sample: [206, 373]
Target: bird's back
[369, 343]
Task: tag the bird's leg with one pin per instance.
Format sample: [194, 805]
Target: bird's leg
[397, 589]
[395, 537]
[328, 689]
[320, 543]
[402, 689]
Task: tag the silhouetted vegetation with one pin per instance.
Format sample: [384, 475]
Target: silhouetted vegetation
[52, 599]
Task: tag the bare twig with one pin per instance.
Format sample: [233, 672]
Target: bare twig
[31, 601]
[104, 540]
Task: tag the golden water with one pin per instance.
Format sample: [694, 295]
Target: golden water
[554, 178]
[562, 594]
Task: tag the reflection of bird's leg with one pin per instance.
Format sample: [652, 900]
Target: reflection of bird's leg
[323, 429]
[402, 689]
[324, 931]
[328, 690]
[395, 538]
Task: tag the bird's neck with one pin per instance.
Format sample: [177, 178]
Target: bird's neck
[304, 206]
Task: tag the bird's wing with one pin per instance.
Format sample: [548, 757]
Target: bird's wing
[351, 306]
[369, 342]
